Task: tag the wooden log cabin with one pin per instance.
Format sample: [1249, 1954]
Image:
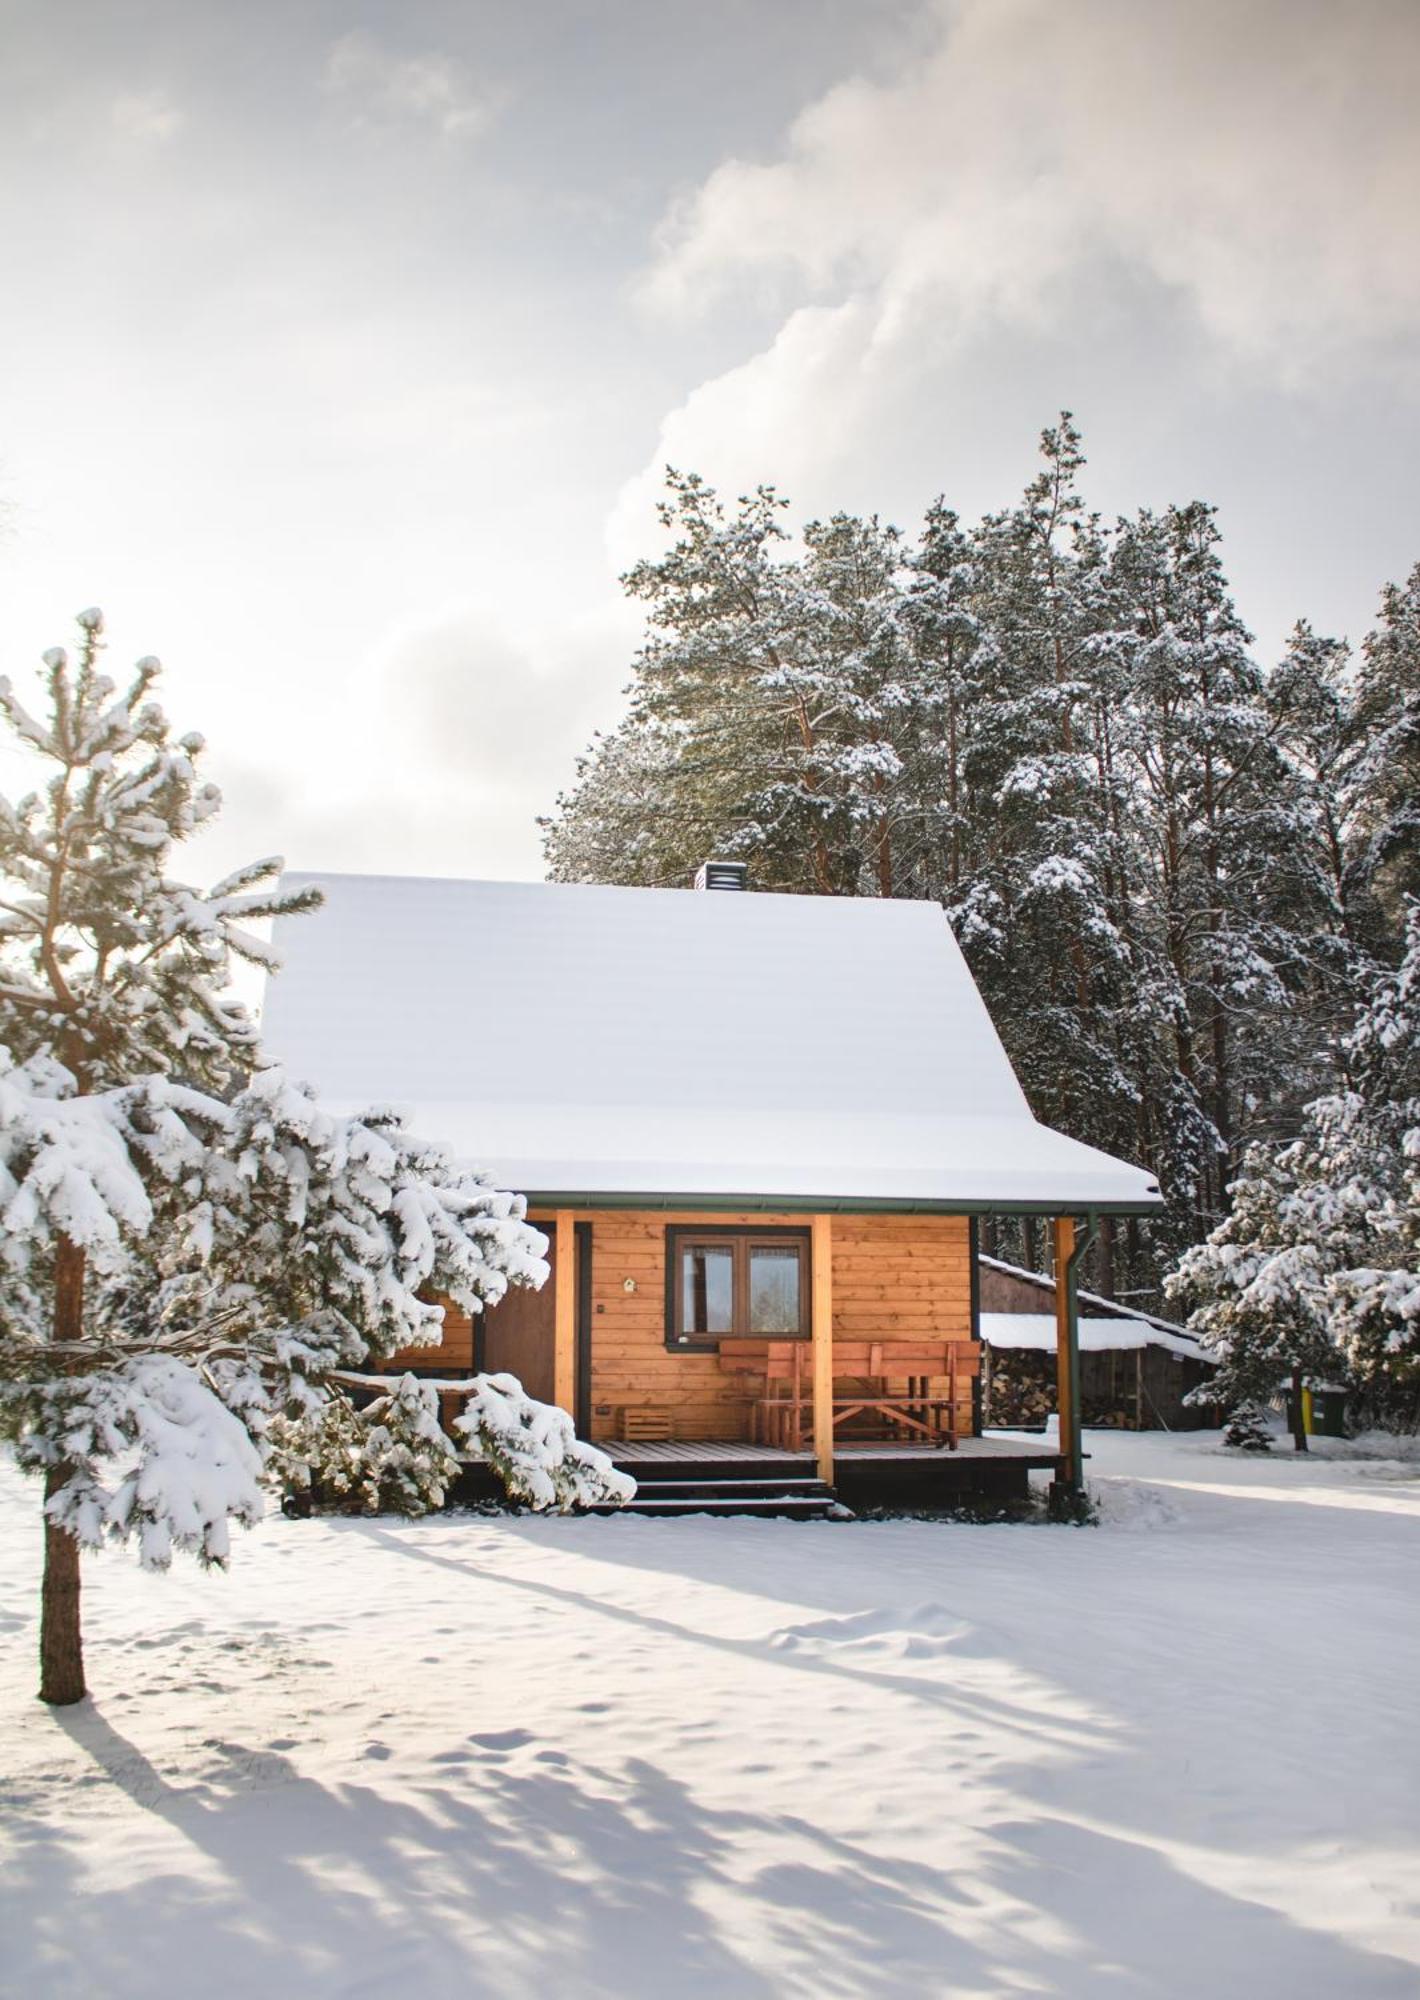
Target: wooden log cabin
[757, 1129]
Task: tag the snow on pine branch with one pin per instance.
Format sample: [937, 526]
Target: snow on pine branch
[535, 1450]
[157, 1457]
[237, 1252]
[64, 1164]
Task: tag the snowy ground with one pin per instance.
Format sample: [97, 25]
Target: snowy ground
[485, 1757]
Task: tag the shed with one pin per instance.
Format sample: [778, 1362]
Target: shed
[1136, 1368]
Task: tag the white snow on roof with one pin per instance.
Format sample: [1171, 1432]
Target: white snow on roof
[1111, 1309]
[1097, 1336]
[597, 1041]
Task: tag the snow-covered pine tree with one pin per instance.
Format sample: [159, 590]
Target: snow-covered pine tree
[1220, 816]
[1039, 908]
[634, 815]
[1256, 1290]
[1316, 1269]
[716, 674]
[1321, 896]
[774, 715]
[953, 653]
[1367, 1152]
[1387, 778]
[188, 1245]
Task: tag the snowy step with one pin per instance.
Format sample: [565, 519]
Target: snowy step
[793, 1497]
[762, 1503]
[746, 1488]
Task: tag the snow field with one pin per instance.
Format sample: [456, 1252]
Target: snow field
[495, 1756]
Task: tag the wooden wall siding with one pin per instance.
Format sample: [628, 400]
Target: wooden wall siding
[453, 1356]
[904, 1275]
[1002, 1292]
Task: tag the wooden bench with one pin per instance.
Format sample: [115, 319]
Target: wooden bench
[911, 1411]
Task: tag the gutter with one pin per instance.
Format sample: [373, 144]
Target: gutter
[796, 1204]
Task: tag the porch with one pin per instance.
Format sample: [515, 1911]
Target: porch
[730, 1475]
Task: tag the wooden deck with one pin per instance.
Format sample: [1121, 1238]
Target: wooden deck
[735, 1451]
[865, 1474]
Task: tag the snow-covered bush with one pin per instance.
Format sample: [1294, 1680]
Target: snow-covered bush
[391, 1457]
[535, 1451]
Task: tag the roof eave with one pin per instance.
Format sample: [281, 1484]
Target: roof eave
[837, 1204]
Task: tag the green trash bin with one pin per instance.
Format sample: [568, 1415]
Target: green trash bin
[1328, 1411]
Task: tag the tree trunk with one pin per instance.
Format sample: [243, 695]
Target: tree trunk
[1299, 1427]
[1105, 1256]
[61, 1644]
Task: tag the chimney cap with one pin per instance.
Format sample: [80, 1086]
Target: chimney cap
[722, 875]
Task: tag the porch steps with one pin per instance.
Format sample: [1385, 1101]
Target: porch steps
[792, 1498]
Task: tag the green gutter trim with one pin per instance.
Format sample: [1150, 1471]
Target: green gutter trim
[797, 1204]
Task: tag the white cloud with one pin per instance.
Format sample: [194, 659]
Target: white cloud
[765, 419]
[1264, 160]
[147, 117]
[1051, 199]
[385, 88]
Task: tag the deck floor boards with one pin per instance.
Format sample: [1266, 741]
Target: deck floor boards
[737, 1451]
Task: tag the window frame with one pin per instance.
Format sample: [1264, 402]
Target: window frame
[740, 1239]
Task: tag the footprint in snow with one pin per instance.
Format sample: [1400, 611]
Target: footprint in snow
[502, 1739]
[912, 1632]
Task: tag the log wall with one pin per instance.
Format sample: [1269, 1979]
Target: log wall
[453, 1356]
[893, 1275]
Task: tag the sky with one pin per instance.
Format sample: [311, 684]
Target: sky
[345, 344]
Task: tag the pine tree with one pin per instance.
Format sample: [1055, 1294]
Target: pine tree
[1316, 1269]
[1042, 906]
[1174, 876]
[189, 1244]
[1222, 816]
[954, 655]
[1388, 767]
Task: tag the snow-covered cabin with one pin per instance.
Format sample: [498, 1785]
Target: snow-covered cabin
[1137, 1369]
[757, 1128]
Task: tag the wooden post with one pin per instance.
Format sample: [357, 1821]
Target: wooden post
[564, 1306]
[821, 1322]
[1067, 1339]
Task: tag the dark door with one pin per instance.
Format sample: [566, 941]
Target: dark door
[519, 1334]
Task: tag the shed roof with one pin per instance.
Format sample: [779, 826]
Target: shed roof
[608, 1043]
[1102, 1308]
[1098, 1335]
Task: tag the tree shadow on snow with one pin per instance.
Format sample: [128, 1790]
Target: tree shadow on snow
[523, 1872]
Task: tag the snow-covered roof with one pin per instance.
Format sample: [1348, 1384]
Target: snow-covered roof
[1097, 1335]
[662, 1042]
[1107, 1308]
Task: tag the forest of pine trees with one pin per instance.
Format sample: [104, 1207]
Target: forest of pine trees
[1179, 874]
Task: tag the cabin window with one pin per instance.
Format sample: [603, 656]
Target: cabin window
[724, 1284]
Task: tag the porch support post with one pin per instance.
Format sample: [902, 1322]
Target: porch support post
[1067, 1356]
[1067, 1495]
[821, 1323]
[564, 1311]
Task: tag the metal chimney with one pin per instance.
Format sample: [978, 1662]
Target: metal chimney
[722, 875]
